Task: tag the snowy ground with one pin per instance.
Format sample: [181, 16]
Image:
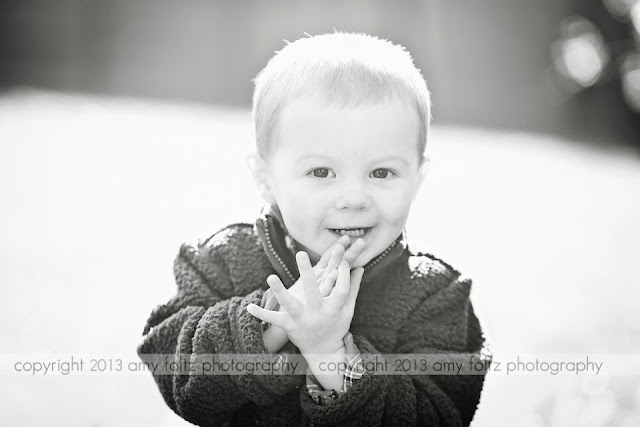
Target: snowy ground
[97, 194]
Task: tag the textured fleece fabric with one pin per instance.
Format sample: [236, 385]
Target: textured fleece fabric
[408, 303]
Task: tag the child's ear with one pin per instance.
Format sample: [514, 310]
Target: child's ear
[422, 173]
[260, 171]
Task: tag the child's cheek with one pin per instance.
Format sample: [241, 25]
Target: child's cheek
[396, 208]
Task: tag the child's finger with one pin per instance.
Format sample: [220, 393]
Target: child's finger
[328, 283]
[309, 283]
[334, 259]
[286, 300]
[326, 286]
[354, 251]
[336, 256]
[276, 318]
[356, 278]
[331, 259]
[324, 259]
[341, 289]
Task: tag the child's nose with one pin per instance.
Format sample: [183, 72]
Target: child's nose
[354, 197]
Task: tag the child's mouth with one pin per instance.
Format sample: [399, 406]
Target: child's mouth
[352, 232]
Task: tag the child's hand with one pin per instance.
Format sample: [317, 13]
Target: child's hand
[319, 325]
[328, 262]
[274, 337]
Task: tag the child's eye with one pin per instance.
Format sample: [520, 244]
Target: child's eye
[381, 173]
[321, 172]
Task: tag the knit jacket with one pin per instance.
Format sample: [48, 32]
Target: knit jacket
[409, 302]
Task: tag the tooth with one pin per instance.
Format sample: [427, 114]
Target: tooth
[354, 232]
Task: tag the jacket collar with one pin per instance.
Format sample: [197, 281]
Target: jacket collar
[281, 248]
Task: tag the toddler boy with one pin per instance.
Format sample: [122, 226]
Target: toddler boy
[324, 274]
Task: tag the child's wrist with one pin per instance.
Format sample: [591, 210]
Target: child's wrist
[328, 368]
[323, 349]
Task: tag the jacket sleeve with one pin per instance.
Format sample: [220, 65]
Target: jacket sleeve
[199, 321]
[443, 323]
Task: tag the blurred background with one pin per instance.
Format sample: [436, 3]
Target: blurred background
[122, 124]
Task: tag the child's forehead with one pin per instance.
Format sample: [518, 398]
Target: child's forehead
[318, 108]
[312, 130]
[346, 99]
[307, 114]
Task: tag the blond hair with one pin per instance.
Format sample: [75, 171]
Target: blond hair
[343, 70]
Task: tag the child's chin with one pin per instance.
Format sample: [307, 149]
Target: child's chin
[361, 261]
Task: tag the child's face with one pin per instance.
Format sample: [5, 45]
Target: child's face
[349, 168]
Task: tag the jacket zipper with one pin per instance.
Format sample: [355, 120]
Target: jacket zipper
[275, 254]
[379, 257]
